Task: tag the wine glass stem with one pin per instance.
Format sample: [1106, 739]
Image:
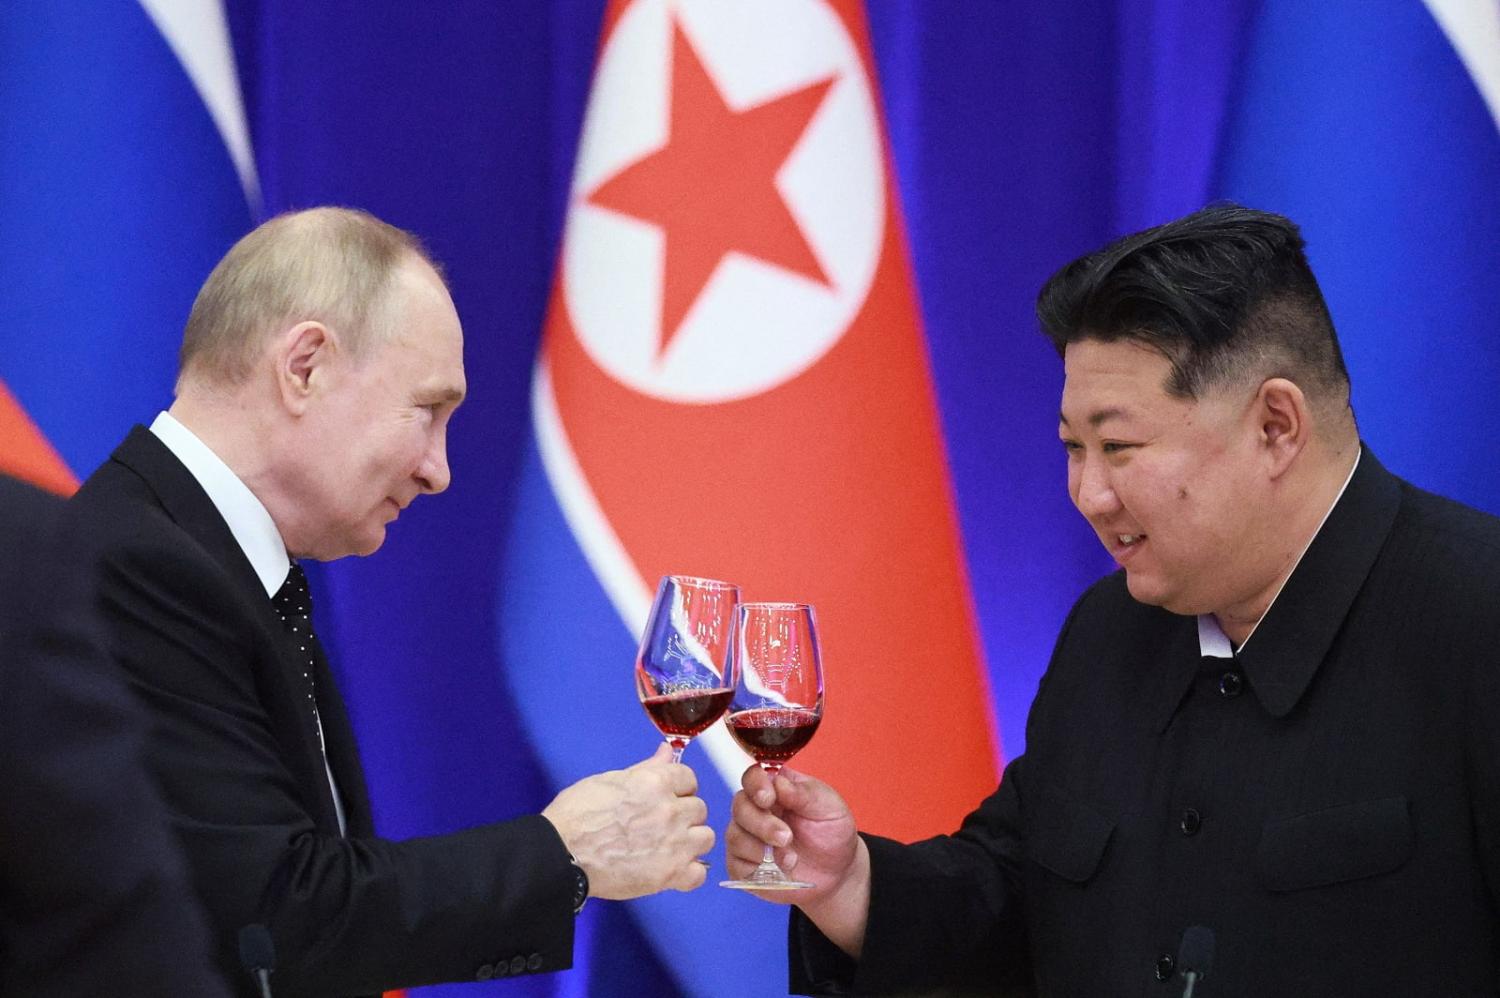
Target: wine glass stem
[678, 744]
[769, 858]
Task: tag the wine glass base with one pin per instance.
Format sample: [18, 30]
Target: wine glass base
[768, 885]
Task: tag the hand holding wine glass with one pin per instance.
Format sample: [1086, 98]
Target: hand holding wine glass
[683, 671]
[777, 703]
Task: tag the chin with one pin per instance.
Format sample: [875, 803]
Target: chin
[1149, 591]
[368, 544]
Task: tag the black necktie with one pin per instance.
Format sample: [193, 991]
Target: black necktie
[293, 604]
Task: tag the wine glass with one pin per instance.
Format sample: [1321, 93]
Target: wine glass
[777, 702]
[682, 671]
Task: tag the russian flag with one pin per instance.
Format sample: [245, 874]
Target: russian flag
[733, 382]
[125, 173]
[1374, 126]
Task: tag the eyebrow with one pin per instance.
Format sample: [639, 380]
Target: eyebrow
[1098, 416]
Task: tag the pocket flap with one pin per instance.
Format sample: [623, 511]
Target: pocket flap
[1335, 844]
[1066, 836]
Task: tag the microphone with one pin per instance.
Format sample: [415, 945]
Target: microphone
[1195, 957]
[258, 955]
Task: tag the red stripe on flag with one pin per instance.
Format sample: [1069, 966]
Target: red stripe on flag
[830, 487]
[26, 454]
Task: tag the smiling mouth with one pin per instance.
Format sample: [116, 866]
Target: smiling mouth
[1122, 546]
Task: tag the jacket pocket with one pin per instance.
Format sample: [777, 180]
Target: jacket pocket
[1065, 836]
[1335, 844]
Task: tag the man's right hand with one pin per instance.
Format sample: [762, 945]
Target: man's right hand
[813, 831]
[636, 831]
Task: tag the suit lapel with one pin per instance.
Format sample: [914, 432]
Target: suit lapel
[278, 676]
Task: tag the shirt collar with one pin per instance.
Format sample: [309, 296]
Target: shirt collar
[246, 516]
[1296, 634]
[1212, 641]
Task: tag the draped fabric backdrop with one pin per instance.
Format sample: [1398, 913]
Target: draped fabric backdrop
[747, 290]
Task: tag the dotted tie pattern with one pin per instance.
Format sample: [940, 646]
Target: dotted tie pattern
[294, 606]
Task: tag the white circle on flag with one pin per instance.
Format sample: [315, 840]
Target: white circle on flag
[754, 324]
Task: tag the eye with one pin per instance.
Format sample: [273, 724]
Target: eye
[1115, 447]
[1072, 447]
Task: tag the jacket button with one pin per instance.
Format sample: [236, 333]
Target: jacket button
[1190, 821]
[517, 964]
[534, 962]
[1231, 685]
[485, 972]
[501, 969]
[1164, 967]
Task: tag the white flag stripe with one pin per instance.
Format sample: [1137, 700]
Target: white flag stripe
[1473, 29]
[605, 553]
[198, 35]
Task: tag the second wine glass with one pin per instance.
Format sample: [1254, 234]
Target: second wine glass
[777, 703]
[683, 671]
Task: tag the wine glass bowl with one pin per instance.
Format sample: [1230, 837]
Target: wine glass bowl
[777, 702]
[683, 669]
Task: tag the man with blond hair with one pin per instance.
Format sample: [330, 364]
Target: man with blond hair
[320, 366]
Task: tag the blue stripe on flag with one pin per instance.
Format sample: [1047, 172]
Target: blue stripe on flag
[582, 716]
[117, 197]
[1360, 122]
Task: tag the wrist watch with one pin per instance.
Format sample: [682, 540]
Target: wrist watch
[580, 885]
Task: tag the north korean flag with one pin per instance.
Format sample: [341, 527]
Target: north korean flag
[733, 382]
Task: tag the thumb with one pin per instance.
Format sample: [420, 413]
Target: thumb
[662, 754]
[804, 795]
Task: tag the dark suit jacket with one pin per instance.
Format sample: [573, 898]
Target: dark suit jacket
[1328, 803]
[94, 898]
[236, 752]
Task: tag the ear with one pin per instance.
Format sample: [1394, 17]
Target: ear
[304, 356]
[1284, 422]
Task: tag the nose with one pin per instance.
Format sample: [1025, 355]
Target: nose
[1092, 491]
[433, 472]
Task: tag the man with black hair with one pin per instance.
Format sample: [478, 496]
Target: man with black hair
[1276, 722]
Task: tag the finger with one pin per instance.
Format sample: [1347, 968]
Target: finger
[741, 845]
[758, 785]
[701, 839]
[681, 780]
[761, 824]
[690, 877]
[693, 810]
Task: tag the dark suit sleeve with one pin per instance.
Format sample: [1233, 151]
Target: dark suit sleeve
[346, 915]
[945, 913]
[1482, 729]
[94, 898]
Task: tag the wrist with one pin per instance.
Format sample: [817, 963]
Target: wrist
[842, 912]
[580, 884]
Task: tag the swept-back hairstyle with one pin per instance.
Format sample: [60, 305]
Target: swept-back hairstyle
[1225, 294]
[330, 265]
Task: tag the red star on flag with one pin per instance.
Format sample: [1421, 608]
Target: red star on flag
[712, 187]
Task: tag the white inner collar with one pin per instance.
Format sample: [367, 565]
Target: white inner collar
[246, 516]
[1212, 641]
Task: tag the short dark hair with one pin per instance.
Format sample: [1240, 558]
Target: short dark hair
[1224, 294]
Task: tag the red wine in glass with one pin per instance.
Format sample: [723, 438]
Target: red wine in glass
[772, 735]
[687, 714]
[683, 675]
[777, 703]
